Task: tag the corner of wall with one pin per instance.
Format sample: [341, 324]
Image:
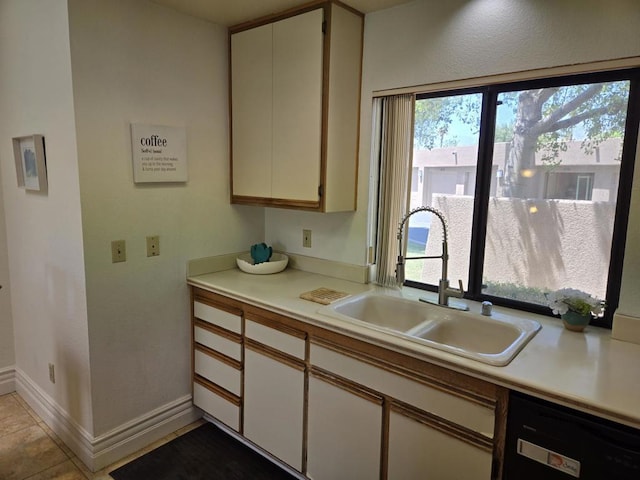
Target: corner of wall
[7, 380]
[626, 328]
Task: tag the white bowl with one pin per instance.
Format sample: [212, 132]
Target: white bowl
[276, 263]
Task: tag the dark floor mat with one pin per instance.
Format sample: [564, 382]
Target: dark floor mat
[206, 453]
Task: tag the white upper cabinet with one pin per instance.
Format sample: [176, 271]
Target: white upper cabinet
[297, 106]
[252, 104]
[295, 100]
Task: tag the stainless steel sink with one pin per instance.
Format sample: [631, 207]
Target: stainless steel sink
[493, 340]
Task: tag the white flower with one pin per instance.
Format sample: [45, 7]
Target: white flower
[565, 299]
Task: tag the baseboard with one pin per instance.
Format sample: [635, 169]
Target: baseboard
[99, 452]
[142, 431]
[7, 380]
[69, 431]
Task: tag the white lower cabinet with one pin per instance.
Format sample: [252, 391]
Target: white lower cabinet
[337, 408]
[418, 451]
[274, 406]
[344, 432]
[426, 423]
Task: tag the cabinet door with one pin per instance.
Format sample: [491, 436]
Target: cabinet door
[297, 106]
[273, 406]
[418, 451]
[344, 433]
[251, 99]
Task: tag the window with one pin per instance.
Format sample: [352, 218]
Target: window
[569, 186]
[534, 180]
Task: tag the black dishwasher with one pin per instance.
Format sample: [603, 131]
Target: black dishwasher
[547, 442]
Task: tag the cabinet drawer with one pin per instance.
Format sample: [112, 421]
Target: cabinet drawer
[216, 406]
[219, 344]
[273, 338]
[463, 412]
[218, 372]
[218, 317]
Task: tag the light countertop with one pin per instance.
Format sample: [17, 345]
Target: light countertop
[589, 371]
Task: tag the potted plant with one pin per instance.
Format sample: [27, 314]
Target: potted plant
[575, 307]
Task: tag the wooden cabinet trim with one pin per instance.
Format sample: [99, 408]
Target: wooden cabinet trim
[274, 354]
[222, 332]
[445, 426]
[217, 301]
[218, 356]
[311, 5]
[275, 203]
[347, 385]
[448, 381]
[276, 17]
[221, 392]
[273, 321]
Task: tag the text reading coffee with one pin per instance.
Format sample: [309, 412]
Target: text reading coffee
[153, 141]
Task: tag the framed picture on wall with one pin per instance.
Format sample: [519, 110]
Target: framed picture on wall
[31, 166]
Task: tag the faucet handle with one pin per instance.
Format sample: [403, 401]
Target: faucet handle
[457, 292]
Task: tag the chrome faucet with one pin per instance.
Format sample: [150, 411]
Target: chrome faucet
[444, 290]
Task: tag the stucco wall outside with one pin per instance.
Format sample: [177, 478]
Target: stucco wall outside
[562, 244]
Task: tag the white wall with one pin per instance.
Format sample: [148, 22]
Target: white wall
[44, 233]
[142, 63]
[7, 353]
[630, 290]
[428, 42]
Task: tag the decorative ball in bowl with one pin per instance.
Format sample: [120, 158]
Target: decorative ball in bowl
[277, 263]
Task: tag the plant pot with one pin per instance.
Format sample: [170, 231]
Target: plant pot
[575, 321]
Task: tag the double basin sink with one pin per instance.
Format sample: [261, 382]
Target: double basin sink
[493, 340]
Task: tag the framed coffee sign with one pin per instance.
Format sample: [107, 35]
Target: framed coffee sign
[159, 153]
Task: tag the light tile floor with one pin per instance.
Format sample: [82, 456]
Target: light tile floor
[29, 450]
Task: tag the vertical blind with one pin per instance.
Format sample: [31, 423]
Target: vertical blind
[396, 147]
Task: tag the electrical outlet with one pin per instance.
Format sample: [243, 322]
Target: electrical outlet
[306, 238]
[52, 373]
[153, 246]
[118, 251]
